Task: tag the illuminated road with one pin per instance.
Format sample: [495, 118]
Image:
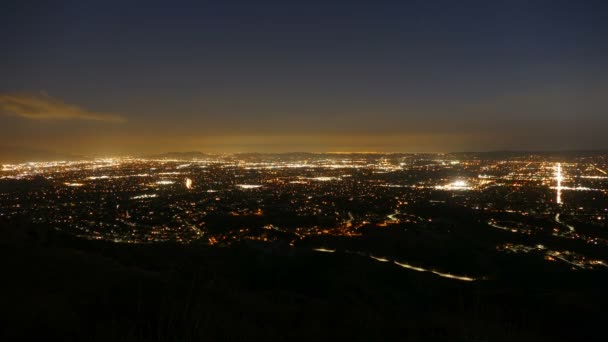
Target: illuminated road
[571, 228]
[350, 220]
[404, 265]
[559, 178]
[600, 170]
[392, 216]
[324, 250]
[490, 223]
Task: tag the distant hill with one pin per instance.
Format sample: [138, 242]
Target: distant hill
[496, 155]
[179, 155]
[12, 154]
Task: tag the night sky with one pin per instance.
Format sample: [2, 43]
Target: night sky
[103, 78]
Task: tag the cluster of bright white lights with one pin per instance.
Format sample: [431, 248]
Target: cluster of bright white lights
[248, 186]
[455, 186]
[324, 179]
[144, 196]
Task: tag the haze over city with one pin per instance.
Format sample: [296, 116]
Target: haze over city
[115, 78]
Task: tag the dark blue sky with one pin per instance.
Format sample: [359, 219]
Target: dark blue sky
[310, 75]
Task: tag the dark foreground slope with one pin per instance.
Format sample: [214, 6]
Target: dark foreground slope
[58, 287]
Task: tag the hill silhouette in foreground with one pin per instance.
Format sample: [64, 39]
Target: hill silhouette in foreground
[59, 287]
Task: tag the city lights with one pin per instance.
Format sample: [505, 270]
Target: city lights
[135, 200]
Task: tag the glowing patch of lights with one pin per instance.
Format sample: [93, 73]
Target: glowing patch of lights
[74, 184]
[98, 177]
[144, 196]
[578, 188]
[325, 179]
[165, 182]
[117, 177]
[457, 186]
[8, 167]
[188, 183]
[248, 186]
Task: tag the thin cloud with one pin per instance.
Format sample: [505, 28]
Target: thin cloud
[45, 107]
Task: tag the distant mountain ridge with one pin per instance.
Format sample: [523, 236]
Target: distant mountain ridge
[12, 154]
[178, 155]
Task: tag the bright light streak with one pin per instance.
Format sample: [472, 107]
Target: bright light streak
[557, 219]
[324, 179]
[324, 250]
[145, 196]
[98, 177]
[441, 274]
[451, 276]
[404, 265]
[559, 178]
[248, 186]
[188, 183]
[378, 259]
[600, 170]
